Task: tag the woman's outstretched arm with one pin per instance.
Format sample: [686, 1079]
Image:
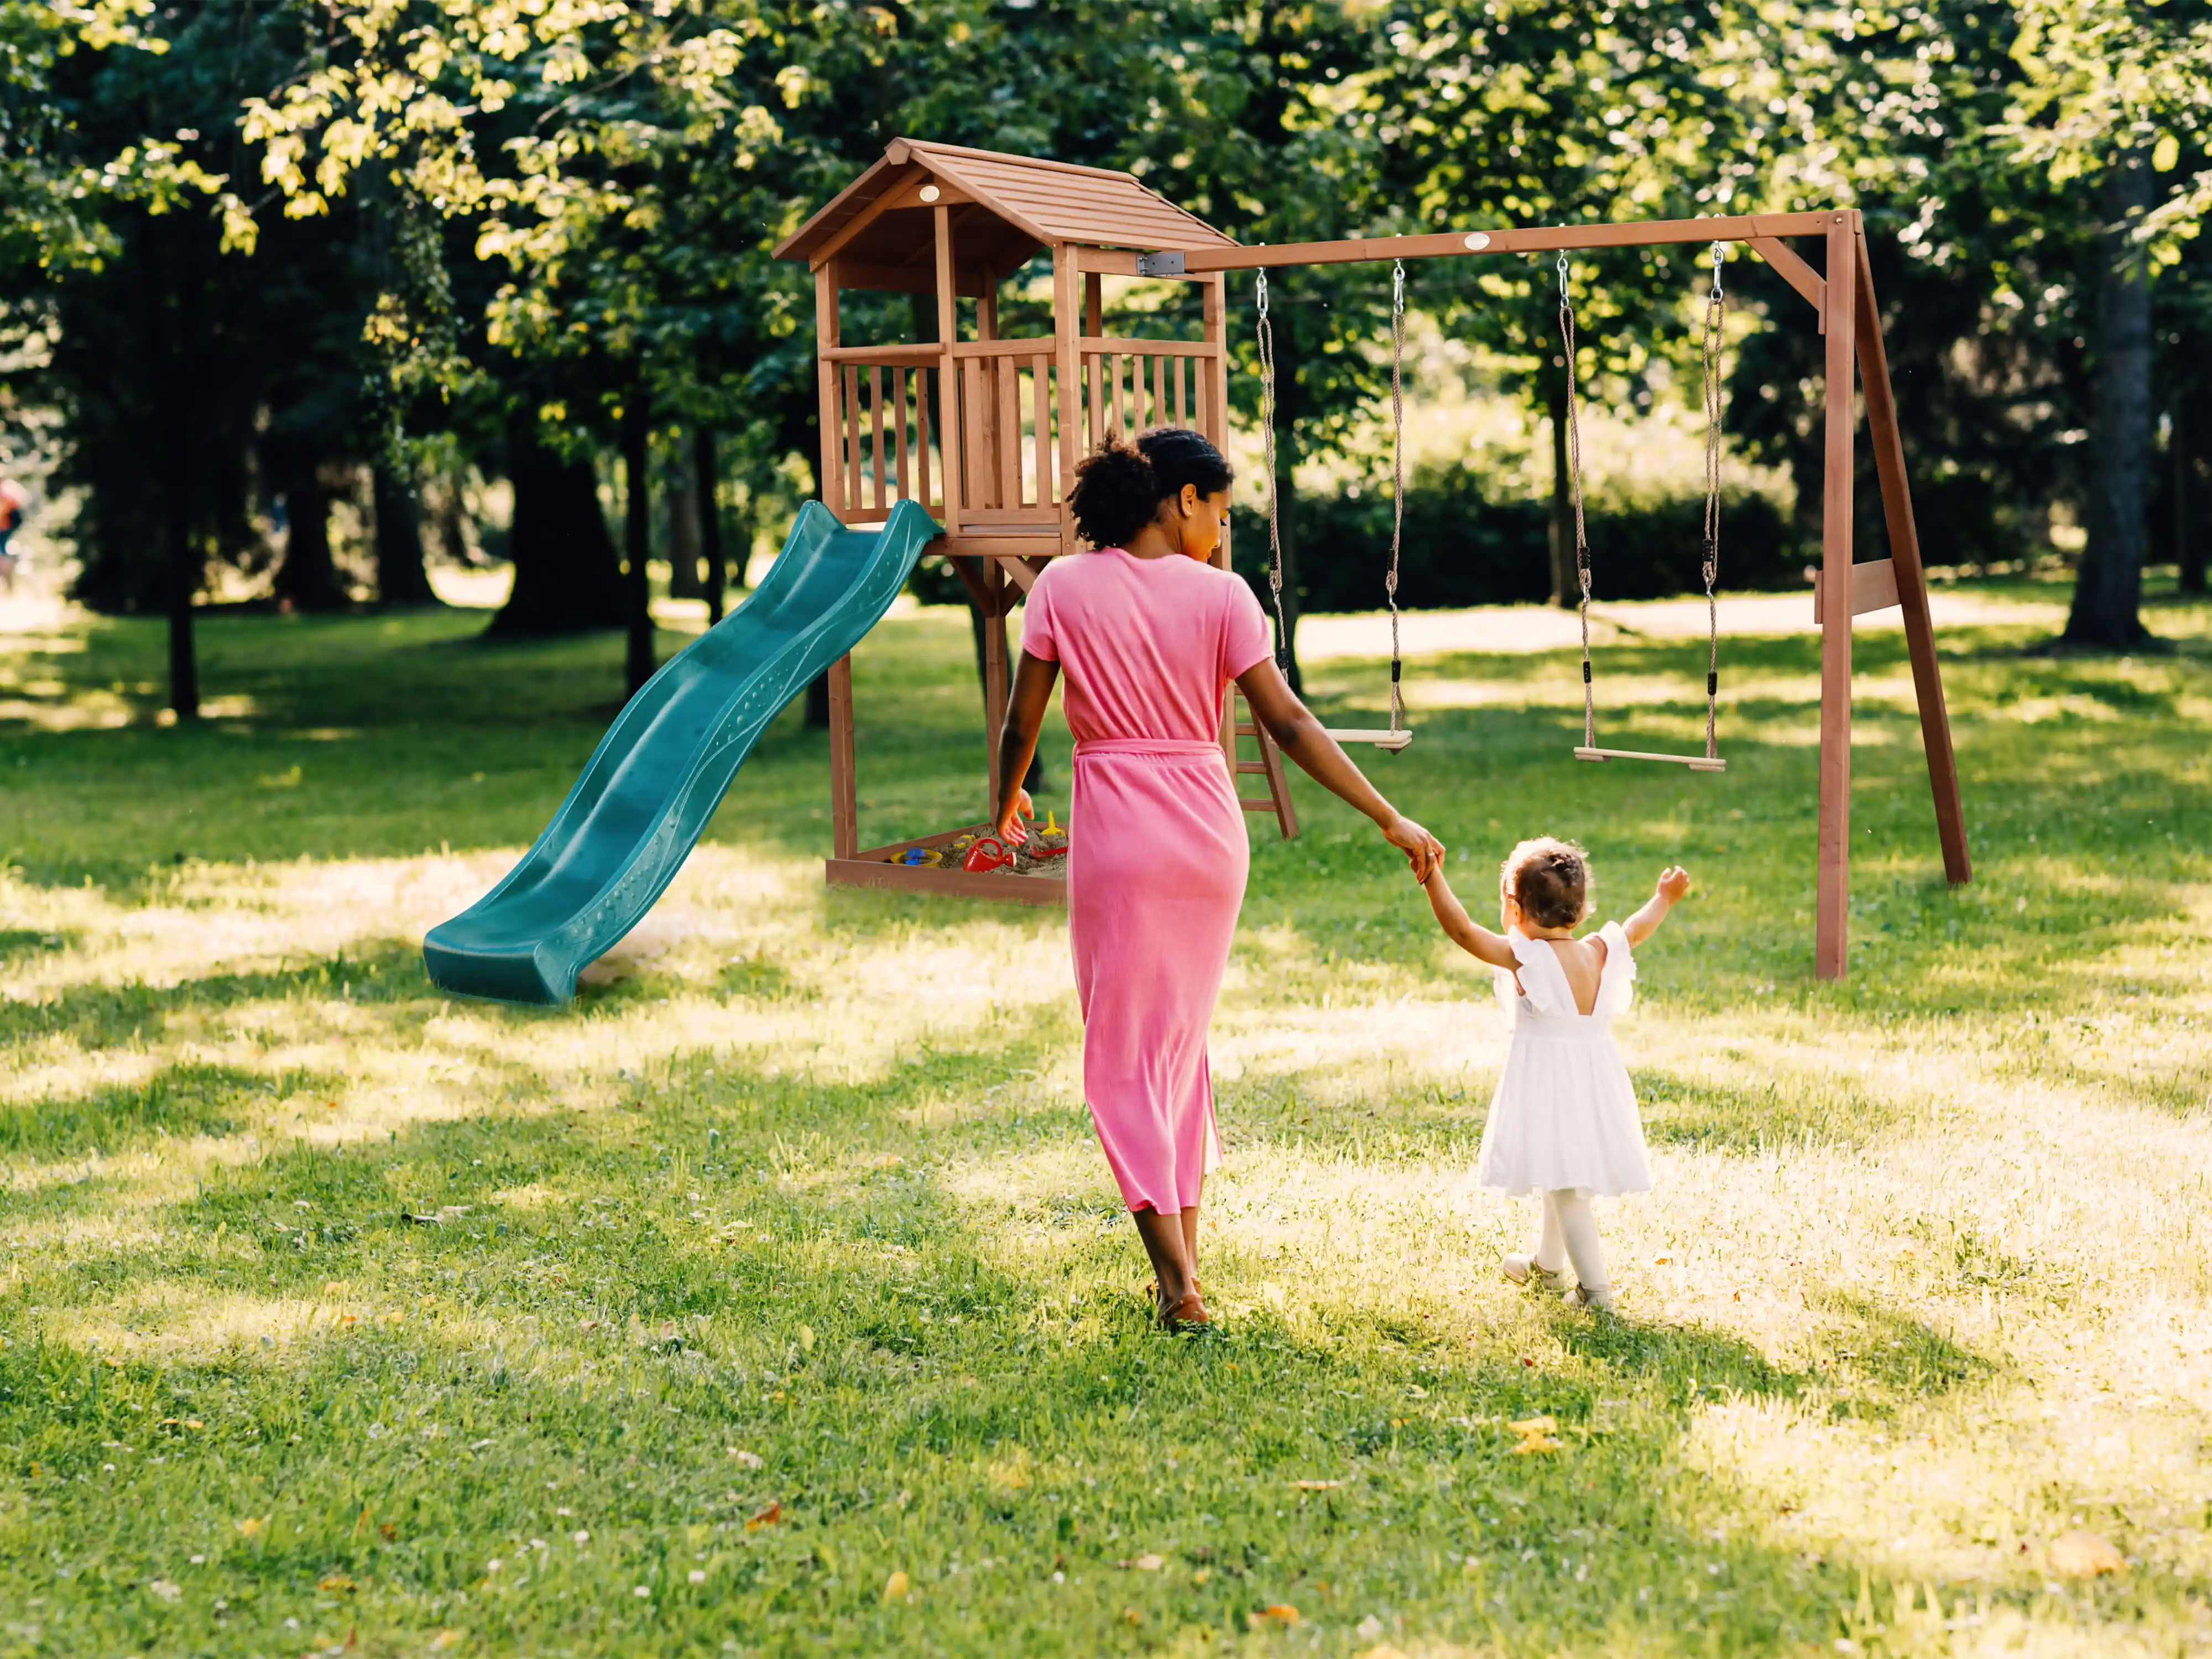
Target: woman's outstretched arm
[1034, 679]
[1299, 735]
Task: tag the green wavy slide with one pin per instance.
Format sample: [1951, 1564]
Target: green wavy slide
[663, 767]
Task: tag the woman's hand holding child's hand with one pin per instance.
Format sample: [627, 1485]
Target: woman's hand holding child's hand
[1423, 850]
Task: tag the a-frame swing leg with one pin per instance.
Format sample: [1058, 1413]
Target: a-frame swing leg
[1833, 899]
[1912, 578]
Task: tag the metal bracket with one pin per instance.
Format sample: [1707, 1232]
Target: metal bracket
[1160, 264]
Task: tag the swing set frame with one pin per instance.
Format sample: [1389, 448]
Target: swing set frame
[1842, 297]
[985, 433]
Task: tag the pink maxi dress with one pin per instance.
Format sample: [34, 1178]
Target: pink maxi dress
[1157, 855]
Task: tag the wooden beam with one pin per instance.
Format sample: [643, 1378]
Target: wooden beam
[1832, 897]
[1650, 232]
[971, 572]
[829, 476]
[1795, 273]
[1067, 378]
[948, 373]
[1873, 587]
[994, 678]
[1911, 578]
[844, 795]
[1024, 574]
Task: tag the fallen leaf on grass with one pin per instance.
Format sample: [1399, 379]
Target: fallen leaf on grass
[446, 1638]
[1142, 1563]
[1315, 1486]
[1202, 1575]
[1129, 1615]
[2080, 1554]
[335, 1582]
[896, 1586]
[1535, 1425]
[767, 1517]
[1277, 1613]
[252, 1526]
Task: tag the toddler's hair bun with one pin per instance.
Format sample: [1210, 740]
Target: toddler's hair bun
[1550, 879]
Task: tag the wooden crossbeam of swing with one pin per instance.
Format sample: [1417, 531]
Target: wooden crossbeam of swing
[1695, 762]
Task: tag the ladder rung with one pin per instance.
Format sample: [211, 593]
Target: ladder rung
[1251, 766]
[1380, 738]
[1261, 804]
[1243, 730]
[1695, 762]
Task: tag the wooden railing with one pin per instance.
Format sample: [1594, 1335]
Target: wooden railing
[1009, 433]
[883, 415]
[1131, 385]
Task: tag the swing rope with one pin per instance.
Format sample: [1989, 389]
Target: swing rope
[1274, 524]
[1716, 317]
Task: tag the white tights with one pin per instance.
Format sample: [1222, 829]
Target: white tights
[1569, 1234]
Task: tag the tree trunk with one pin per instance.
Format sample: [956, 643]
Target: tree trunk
[566, 579]
[185, 573]
[680, 491]
[401, 579]
[706, 476]
[2108, 592]
[2192, 489]
[1566, 586]
[637, 513]
[1287, 500]
[308, 580]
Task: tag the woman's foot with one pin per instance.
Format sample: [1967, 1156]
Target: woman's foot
[1188, 1313]
[1521, 1268]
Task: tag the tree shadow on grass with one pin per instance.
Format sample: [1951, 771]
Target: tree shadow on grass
[192, 1098]
[1701, 1115]
[94, 1016]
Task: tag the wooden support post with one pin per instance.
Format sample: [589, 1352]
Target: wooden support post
[830, 476]
[995, 674]
[1213, 398]
[1912, 578]
[844, 796]
[948, 378]
[1833, 902]
[1067, 405]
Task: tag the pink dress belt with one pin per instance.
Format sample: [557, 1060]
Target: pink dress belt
[1177, 746]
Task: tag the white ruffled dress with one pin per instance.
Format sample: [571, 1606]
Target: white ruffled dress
[1565, 1114]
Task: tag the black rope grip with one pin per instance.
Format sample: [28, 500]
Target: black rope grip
[1712, 685]
[1393, 673]
[1586, 678]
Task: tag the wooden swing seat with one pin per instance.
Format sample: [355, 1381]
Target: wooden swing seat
[1695, 762]
[1393, 741]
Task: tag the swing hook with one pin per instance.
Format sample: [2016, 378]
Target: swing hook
[1717, 258]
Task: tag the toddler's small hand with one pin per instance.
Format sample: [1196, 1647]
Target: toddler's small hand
[1674, 882]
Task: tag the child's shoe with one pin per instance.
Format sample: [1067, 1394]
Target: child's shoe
[1583, 1296]
[1521, 1268]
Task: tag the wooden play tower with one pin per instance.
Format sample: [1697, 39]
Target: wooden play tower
[985, 432]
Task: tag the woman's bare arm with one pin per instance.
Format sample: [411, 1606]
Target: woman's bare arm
[1034, 679]
[1299, 735]
[1470, 935]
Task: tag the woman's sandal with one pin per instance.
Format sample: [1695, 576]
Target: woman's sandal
[1188, 1315]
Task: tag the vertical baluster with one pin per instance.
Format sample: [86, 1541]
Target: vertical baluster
[1010, 431]
[1094, 374]
[898, 424]
[975, 424]
[921, 438]
[1175, 372]
[876, 409]
[852, 438]
[1120, 407]
[1159, 391]
[1040, 397]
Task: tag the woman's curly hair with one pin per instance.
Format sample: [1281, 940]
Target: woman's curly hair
[1550, 879]
[1120, 485]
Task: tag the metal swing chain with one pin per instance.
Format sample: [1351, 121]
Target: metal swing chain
[1397, 478]
[1716, 314]
[1575, 493]
[1266, 331]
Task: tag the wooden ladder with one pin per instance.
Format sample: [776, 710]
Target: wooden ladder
[1238, 723]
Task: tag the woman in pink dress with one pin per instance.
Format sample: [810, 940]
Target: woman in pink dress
[1151, 634]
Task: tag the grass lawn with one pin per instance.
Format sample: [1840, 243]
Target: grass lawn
[776, 1298]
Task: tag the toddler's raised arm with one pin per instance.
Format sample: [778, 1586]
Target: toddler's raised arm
[1674, 882]
[1470, 935]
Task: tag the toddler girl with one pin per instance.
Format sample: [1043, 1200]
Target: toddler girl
[1564, 1122]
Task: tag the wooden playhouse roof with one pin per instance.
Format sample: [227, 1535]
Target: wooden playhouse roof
[1007, 208]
